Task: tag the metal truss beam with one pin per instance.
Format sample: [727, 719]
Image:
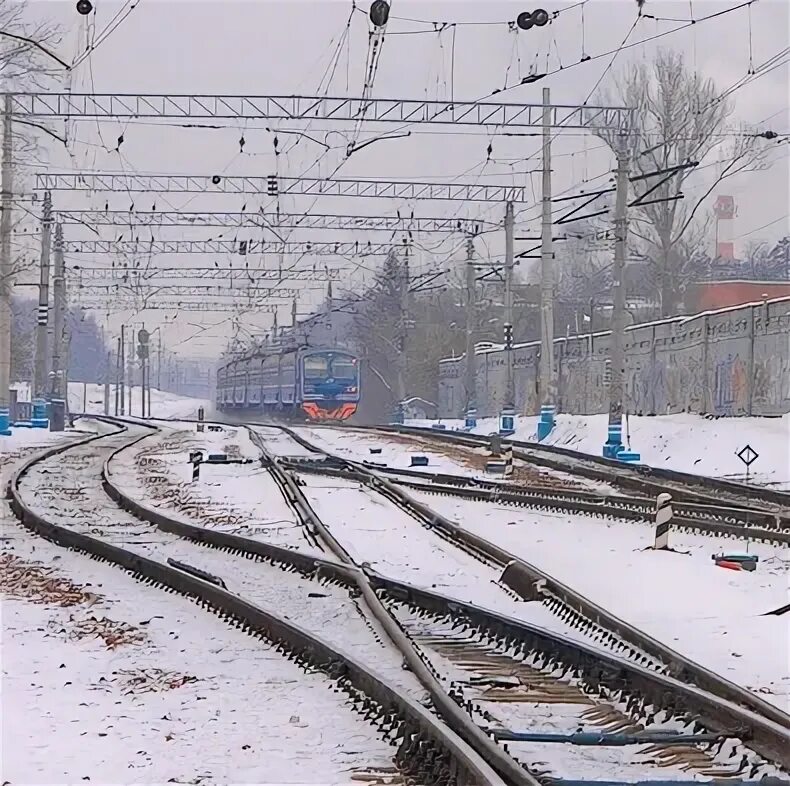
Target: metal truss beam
[175, 290]
[304, 108]
[273, 185]
[241, 247]
[120, 274]
[125, 304]
[270, 220]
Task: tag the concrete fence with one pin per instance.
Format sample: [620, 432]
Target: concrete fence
[735, 361]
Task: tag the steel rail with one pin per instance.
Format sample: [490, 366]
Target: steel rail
[453, 715]
[532, 583]
[427, 748]
[768, 738]
[692, 518]
[687, 486]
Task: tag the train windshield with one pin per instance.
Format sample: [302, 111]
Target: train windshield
[316, 367]
[344, 368]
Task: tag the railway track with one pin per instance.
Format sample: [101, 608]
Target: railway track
[688, 517]
[485, 662]
[427, 752]
[722, 498]
[477, 654]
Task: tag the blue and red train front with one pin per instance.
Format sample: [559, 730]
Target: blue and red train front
[330, 384]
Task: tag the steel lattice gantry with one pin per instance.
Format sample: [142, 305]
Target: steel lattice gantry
[123, 274]
[242, 247]
[272, 220]
[148, 304]
[208, 291]
[309, 108]
[273, 185]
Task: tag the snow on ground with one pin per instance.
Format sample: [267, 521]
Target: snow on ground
[89, 398]
[278, 443]
[396, 451]
[683, 442]
[180, 696]
[241, 499]
[710, 614]
[375, 531]
[328, 612]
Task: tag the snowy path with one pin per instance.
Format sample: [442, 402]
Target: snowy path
[326, 611]
[713, 616]
[185, 698]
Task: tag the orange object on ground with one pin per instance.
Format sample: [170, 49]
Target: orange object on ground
[730, 565]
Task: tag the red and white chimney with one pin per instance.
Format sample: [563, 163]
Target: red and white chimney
[724, 209]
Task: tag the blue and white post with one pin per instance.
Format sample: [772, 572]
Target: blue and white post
[5, 431]
[614, 439]
[39, 417]
[507, 421]
[546, 422]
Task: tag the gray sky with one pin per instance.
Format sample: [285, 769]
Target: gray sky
[287, 47]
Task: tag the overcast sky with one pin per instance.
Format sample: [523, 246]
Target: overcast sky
[281, 48]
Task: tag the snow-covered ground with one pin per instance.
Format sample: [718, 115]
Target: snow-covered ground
[375, 531]
[89, 398]
[710, 614]
[396, 451]
[80, 502]
[684, 442]
[241, 499]
[134, 685]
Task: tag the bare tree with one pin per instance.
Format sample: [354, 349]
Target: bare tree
[680, 118]
[27, 62]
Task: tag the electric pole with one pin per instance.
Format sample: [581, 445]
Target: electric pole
[107, 370]
[58, 334]
[507, 418]
[41, 363]
[6, 198]
[546, 386]
[130, 369]
[400, 378]
[471, 318]
[122, 368]
[614, 441]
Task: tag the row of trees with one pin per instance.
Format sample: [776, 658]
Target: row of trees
[87, 359]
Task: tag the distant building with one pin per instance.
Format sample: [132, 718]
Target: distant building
[416, 408]
[713, 295]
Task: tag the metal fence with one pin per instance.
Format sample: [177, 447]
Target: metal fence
[734, 361]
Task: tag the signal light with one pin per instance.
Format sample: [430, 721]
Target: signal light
[84, 7]
[528, 19]
[271, 185]
[508, 335]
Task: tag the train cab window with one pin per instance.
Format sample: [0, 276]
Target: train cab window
[344, 367]
[315, 367]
